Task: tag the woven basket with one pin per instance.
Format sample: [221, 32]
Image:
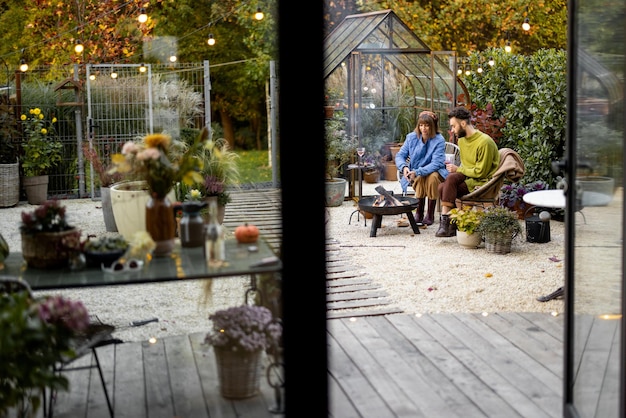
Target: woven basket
[498, 243]
[9, 184]
[239, 372]
[44, 250]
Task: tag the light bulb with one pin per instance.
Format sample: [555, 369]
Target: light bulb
[492, 62]
[79, 48]
[142, 68]
[479, 70]
[114, 75]
[143, 17]
[23, 65]
[211, 40]
[526, 25]
[259, 14]
[173, 58]
[507, 47]
[92, 77]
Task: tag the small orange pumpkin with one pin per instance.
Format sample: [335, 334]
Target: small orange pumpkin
[246, 234]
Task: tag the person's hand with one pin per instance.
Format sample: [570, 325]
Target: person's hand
[451, 168]
[410, 176]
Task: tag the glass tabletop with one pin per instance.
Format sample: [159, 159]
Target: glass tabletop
[182, 264]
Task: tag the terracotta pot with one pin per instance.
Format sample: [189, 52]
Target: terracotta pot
[372, 176]
[391, 171]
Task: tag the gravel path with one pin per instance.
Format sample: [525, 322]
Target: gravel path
[421, 273]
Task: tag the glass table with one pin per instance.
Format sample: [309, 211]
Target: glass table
[182, 264]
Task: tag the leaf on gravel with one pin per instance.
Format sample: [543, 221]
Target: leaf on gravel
[488, 275]
[554, 258]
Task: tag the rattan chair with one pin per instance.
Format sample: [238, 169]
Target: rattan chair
[511, 167]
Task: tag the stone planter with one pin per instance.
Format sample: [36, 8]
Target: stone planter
[335, 191]
[36, 188]
[107, 209]
[466, 240]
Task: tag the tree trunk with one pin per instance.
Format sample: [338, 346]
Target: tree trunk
[229, 129]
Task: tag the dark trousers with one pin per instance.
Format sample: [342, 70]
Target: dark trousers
[453, 187]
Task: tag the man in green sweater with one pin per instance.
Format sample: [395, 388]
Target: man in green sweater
[479, 160]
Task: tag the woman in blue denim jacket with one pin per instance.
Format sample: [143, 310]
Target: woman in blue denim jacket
[421, 160]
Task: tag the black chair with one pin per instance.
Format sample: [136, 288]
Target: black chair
[96, 335]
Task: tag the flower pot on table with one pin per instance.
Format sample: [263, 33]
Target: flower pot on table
[46, 250]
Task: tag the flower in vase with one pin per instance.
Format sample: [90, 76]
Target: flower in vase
[161, 161]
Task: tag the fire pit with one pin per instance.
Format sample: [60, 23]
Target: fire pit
[402, 205]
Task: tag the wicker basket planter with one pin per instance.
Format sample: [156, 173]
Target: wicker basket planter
[239, 372]
[44, 250]
[498, 243]
[9, 184]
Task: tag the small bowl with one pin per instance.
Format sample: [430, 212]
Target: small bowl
[106, 258]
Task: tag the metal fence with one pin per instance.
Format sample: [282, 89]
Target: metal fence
[106, 105]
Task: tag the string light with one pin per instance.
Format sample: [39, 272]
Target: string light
[79, 48]
[526, 24]
[142, 68]
[143, 17]
[23, 65]
[173, 58]
[507, 47]
[113, 75]
[259, 14]
[211, 40]
[491, 62]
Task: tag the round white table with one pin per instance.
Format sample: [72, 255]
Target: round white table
[554, 199]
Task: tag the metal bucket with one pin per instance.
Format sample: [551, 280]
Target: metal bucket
[537, 231]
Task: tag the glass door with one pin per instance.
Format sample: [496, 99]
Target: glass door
[594, 276]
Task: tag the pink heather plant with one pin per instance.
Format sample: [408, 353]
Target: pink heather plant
[62, 312]
[248, 328]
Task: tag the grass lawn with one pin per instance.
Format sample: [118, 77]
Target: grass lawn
[254, 166]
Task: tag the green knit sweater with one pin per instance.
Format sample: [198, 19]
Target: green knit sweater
[479, 159]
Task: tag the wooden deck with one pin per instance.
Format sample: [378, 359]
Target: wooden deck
[444, 365]
[382, 363]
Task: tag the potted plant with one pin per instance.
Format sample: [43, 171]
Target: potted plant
[35, 335]
[160, 162]
[340, 149]
[42, 152]
[106, 180]
[240, 334]
[45, 234]
[9, 164]
[373, 167]
[467, 219]
[498, 227]
[512, 196]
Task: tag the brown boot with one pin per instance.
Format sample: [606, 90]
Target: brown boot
[430, 215]
[445, 228]
[419, 213]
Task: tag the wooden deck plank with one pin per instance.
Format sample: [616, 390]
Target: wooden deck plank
[344, 369]
[129, 395]
[184, 379]
[527, 393]
[158, 391]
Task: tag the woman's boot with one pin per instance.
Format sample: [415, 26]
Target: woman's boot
[419, 213]
[430, 215]
[445, 229]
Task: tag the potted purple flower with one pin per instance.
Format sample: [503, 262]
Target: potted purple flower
[240, 335]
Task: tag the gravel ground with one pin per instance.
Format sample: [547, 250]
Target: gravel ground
[421, 273]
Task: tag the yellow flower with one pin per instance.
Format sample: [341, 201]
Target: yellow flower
[36, 111]
[158, 141]
[40, 116]
[54, 120]
[23, 117]
[44, 131]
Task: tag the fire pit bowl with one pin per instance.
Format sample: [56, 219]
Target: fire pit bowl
[366, 204]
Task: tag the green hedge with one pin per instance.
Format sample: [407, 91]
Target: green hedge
[530, 92]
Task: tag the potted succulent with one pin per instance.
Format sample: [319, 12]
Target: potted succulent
[512, 195]
[35, 335]
[467, 220]
[42, 152]
[498, 227]
[240, 334]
